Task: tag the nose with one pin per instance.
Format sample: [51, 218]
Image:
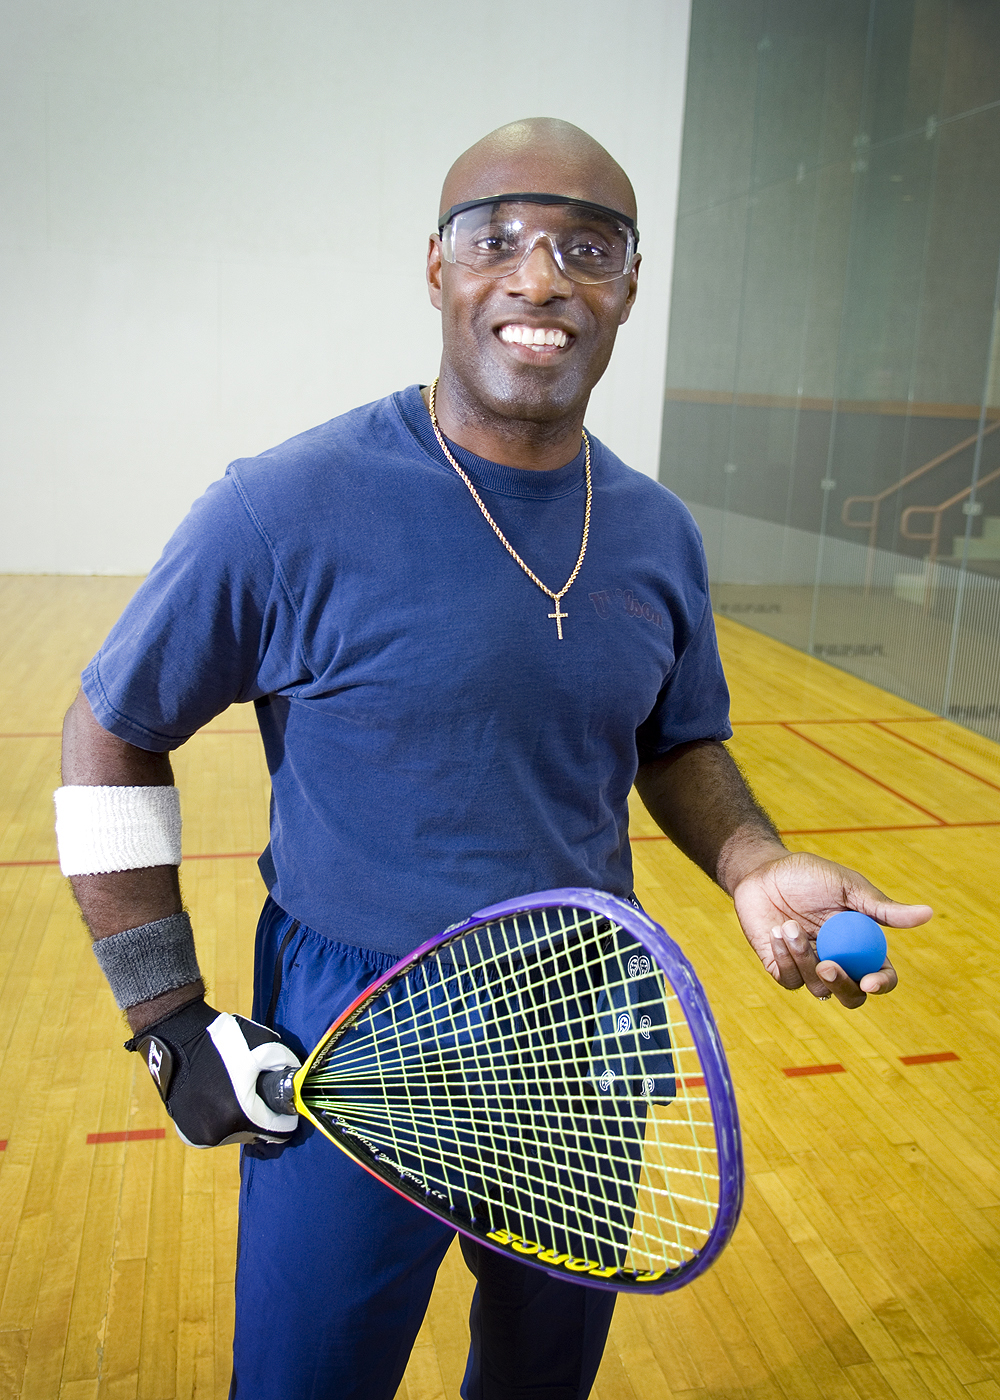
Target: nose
[539, 277]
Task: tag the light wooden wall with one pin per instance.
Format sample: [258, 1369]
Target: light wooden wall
[867, 1263]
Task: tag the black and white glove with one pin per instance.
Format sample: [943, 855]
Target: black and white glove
[205, 1063]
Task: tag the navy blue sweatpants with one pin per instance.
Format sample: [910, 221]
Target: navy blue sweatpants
[334, 1270]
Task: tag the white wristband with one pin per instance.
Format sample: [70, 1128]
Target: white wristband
[101, 829]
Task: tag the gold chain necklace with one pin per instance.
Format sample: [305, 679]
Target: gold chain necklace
[558, 615]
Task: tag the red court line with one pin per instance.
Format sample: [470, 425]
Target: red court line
[227, 855]
[3, 1144]
[794, 1071]
[57, 734]
[861, 773]
[694, 1081]
[782, 831]
[849, 830]
[940, 758]
[736, 723]
[210, 855]
[938, 1058]
[902, 826]
[848, 719]
[129, 1135]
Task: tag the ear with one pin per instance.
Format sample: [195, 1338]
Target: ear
[434, 261]
[633, 288]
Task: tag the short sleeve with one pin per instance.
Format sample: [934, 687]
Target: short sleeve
[197, 633]
[694, 702]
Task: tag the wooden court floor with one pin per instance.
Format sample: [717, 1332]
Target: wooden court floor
[867, 1262]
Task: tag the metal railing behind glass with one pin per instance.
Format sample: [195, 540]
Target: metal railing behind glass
[872, 523]
[934, 534]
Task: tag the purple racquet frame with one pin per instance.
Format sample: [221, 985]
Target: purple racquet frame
[691, 997]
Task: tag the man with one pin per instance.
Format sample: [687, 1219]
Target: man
[446, 724]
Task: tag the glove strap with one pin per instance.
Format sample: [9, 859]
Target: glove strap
[160, 1044]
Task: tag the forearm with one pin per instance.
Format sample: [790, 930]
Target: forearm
[205, 1063]
[697, 795]
[122, 899]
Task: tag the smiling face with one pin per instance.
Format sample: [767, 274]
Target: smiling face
[528, 348]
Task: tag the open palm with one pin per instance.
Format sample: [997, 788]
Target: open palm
[782, 905]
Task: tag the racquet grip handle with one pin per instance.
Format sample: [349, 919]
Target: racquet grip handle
[274, 1086]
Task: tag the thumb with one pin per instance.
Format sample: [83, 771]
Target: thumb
[888, 911]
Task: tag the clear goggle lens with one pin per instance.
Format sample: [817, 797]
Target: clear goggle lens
[494, 238]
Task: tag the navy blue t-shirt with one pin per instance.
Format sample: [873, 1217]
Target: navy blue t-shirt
[433, 746]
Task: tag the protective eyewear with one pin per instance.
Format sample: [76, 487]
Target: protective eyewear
[493, 237]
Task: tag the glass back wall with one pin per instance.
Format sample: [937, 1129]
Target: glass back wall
[832, 412]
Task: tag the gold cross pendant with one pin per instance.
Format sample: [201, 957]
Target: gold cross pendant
[559, 618]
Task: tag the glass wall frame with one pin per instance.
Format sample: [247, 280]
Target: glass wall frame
[832, 407]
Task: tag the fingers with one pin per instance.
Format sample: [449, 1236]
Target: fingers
[860, 894]
[853, 994]
[798, 966]
[839, 985]
[876, 984]
[795, 956]
[787, 969]
[894, 915]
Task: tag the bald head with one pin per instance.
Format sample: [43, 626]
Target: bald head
[544, 156]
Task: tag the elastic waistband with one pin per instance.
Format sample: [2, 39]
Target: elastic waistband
[279, 921]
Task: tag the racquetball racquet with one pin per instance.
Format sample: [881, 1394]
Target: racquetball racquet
[547, 1077]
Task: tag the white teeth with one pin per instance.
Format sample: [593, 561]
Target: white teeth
[528, 335]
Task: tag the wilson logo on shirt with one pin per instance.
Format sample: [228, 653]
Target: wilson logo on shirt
[625, 599]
